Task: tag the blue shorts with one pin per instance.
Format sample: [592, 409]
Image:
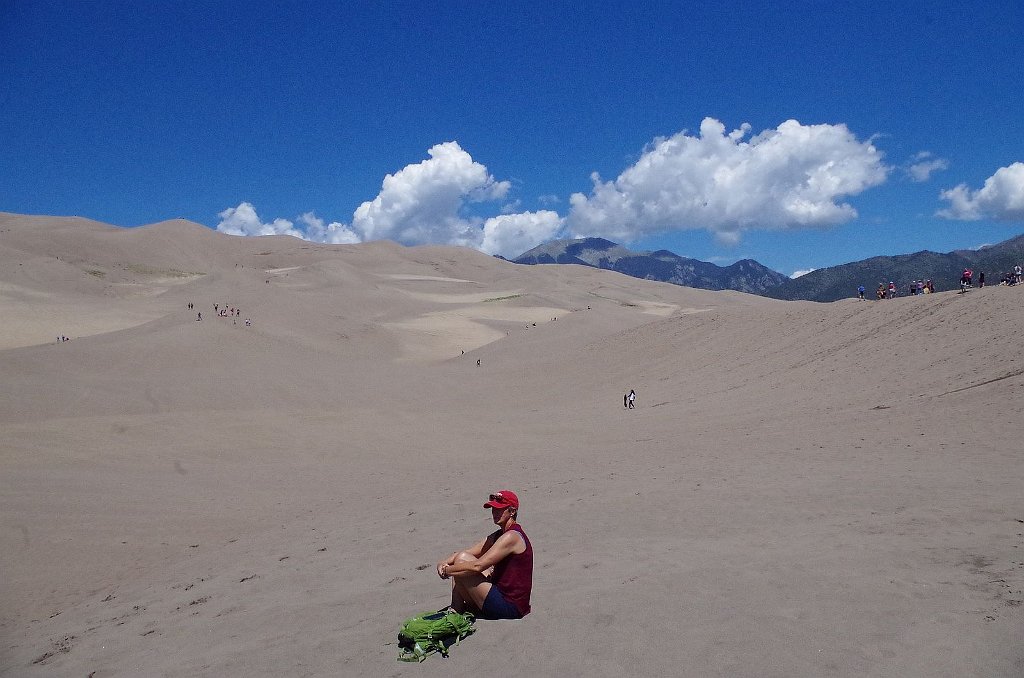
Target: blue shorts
[496, 607]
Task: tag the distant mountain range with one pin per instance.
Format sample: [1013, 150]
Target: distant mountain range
[825, 284]
[745, 276]
[838, 282]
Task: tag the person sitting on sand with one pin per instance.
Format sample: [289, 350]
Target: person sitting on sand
[492, 579]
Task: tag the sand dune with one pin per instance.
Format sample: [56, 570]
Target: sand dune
[804, 489]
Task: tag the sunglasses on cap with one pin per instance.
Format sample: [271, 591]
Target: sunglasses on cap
[496, 501]
[502, 499]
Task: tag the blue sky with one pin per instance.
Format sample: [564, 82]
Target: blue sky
[800, 134]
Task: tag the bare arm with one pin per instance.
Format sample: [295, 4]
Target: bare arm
[508, 543]
[476, 550]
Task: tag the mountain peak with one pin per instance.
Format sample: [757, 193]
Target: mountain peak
[662, 265]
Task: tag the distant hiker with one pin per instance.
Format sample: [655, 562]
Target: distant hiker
[631, 397]
[860, 292]
[965, 280]
[199, 316]
[478, 362]
[625, 400]
[494, 577]
[981, 279]
[1017, 273]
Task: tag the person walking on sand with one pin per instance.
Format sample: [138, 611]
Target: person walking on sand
[631, 397]
[493, 578]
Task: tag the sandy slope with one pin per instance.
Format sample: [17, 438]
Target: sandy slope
[803, 489]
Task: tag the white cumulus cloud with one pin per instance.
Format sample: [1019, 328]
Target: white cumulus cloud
[923, 165]
[792, 176]
[335, 232]
[243, 220]
[422, 203]
[1001, 198]
[512, 234]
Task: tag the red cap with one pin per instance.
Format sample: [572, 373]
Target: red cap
[502, 499]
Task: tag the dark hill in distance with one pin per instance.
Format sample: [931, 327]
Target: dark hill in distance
[838, 282]
[744, 276]
[825, 284]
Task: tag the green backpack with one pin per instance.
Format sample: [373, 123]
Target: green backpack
[431, 632]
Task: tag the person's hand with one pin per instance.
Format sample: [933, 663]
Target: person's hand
[442, 570]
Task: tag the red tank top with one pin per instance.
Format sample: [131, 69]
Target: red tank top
[514, 575]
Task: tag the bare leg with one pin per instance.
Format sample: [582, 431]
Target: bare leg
[469, 590]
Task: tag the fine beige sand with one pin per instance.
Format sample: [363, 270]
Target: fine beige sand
[803, 489]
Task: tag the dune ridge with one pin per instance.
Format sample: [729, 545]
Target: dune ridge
[804, 489]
